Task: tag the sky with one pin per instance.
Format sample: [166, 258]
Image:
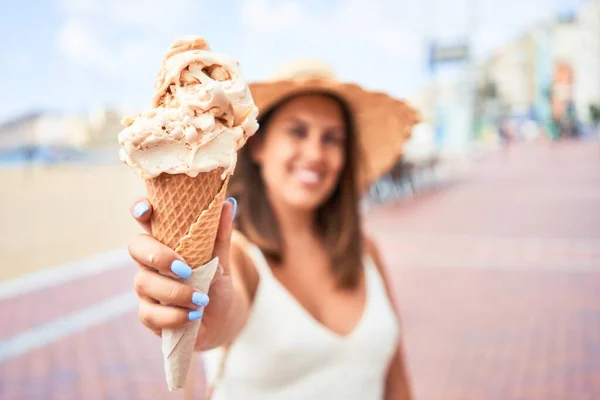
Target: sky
[77, 55]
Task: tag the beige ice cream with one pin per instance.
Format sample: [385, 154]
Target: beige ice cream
[185, 148]
[202, 114]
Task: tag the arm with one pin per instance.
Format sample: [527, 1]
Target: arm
[243, 279]
[397, 385]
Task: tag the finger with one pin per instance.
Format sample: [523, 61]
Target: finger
[223, 239]
[151, 253]
[162, 289]
[141, 210]
[158, 316]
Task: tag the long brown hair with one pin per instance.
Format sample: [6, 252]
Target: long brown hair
[337, 219]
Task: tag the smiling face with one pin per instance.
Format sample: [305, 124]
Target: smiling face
[303, 151]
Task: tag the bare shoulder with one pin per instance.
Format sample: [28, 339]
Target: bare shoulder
[241, 263]
[371, 249]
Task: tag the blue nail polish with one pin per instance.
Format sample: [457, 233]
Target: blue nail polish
[233, 201]
[140, 209]
[181, 269]
[200, 299]
[195, 315]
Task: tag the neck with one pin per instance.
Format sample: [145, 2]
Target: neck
[293, 222]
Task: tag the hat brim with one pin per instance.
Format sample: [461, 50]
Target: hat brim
[383, 123]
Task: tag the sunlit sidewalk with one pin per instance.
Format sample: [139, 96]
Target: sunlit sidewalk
[498, 277]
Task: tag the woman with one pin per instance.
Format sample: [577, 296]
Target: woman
[303, 308]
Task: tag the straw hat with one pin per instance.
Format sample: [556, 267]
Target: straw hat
[383, 123]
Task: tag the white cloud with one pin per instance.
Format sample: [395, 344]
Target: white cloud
[376, 43]
[117, 36]
[269, 17]
[381, 25]
[79, 44]
[157, 15]
[117, 45]
[164, 16]
[114, 47]
[495, 23]
[361, 24]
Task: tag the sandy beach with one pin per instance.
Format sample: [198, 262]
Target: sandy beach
[56, 214]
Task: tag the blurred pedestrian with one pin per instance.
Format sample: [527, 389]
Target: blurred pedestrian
[304, 308]
[504, 134]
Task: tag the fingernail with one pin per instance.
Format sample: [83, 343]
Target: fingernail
[140, 209]
[200, 299]
[195, 315]
[233, 201]
[181, 269]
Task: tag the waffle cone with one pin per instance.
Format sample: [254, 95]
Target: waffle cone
[178, 343]
[186, 212]
[185, 216]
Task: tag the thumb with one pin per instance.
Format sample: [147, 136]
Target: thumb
[223, 239]
[142, 210]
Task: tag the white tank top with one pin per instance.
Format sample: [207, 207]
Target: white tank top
[284, 353]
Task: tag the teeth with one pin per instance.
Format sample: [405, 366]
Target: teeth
[307, 176]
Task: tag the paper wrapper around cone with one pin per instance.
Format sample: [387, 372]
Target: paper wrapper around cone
[185, 216]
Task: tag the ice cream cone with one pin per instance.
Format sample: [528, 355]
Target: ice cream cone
[185, 148]
[178, 202]
[186, 214]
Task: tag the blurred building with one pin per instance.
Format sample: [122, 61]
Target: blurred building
[453, 113]
[512, 72]
[43, 130]
[447, 102]
[19, 132]
[551, 72]
[424, 101]
[585, 61]
[104, 126]
[421, 146]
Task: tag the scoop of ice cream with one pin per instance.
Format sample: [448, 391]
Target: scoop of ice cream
[202, 114]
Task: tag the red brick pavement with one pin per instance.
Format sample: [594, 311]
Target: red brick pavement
[32, 309]
[540, 192]
[116, 360]
[498, 278]
[482, 334]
